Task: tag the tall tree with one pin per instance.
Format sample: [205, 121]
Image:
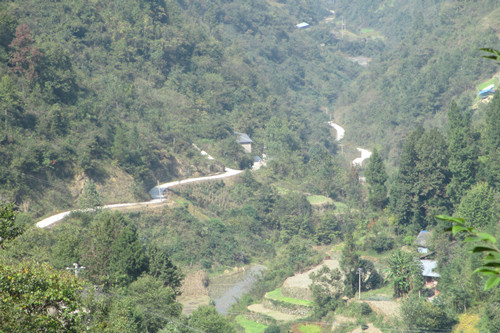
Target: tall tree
[419, 191]
[420, 316]
[208, 320]
[8, 228]
[24, 55]
[127, 259]
[151, 304]
[490, 161]
[432, 177]
[103, 231]
[326, 288]
[36, 298]
[160, 266]
[478, 207]
[90, 198]
[8, 25]
[403, 190]
[376, 176]
[9, 100]
[349, 263]
[463, 154]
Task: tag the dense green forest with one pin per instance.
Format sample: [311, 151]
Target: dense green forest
[100, 101]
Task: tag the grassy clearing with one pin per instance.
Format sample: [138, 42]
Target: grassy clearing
[467, 323]
[487, 83]
[367, 30]
[250, 326]
[309, 328]
[278, 296]
[386, 291]
[319, 200]
[340, 207]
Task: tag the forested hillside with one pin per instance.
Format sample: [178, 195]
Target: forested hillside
[431, 57]
[133, 84]
[88, 85]
[102, 100]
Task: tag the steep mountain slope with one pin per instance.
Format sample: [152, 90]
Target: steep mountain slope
[92, 87]
[432, 57]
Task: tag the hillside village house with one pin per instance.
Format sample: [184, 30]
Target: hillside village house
[245, 141]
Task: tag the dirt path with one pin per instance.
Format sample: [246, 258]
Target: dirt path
[339, 129]
[364, 155]
[357, 162]
[157, 191]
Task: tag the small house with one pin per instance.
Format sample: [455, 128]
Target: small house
[245, 141]
[428, 273]
[302, 25]
[422, 241]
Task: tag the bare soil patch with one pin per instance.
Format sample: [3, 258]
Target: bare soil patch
[297, 286]
[194, 292]
[384, 308]
[259, 308]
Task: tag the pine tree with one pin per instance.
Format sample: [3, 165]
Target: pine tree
[478, 207]
[127, 260]
[160, 266]
[490, 168]
[403, 190]
[419, 191]
[8, 228]
[376, 176]
[432, 178]
[463, 154]
[90, 198]
[349, 263]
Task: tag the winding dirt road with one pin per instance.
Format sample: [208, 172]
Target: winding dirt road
[357, 162]
[156, 193]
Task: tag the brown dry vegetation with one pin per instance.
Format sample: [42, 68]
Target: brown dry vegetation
[194, 291]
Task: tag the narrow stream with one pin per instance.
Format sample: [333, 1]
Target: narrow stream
[233, 291]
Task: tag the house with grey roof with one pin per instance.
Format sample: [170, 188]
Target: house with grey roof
[430, 276]
[422, 242]
[245, 141]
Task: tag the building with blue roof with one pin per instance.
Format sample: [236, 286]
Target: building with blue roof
[489, 90]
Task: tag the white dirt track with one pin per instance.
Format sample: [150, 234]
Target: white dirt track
[365, 154]
[156, 193]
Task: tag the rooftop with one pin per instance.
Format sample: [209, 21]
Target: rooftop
[428, 268]
[302, 25]
[243, 138]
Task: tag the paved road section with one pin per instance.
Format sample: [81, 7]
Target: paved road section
[340, 130]
[357, 162]
[364, 155]
[156, 193]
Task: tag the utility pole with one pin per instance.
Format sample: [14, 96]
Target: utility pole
[159, 191]
[359, 283]
[76, 268]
